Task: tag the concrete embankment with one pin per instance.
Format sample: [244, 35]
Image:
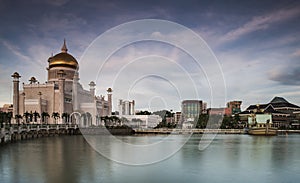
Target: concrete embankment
[189, 131]
[16, 133]
[201, 131]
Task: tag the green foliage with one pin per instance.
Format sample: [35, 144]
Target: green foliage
[143, 113]
[5, 117]
[202, 121]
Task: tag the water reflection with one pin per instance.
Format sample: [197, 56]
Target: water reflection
[229, 158]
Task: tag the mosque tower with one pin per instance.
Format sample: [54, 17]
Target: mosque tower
[16, 104]
[62, 61]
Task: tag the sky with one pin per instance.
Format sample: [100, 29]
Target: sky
[255, 48]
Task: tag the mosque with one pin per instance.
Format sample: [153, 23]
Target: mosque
[61, 95]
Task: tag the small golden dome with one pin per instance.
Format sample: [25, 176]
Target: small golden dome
[63, 59]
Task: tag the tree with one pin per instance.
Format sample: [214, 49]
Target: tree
[45, 116]
[9, 116]
[115, 120]
[202, 121]
[35, 116]
[124, 120]
[143, 113]
[26, 115]
[5, 117]
[31, 116]
[65, 116]
[55, 115]
[18, 117]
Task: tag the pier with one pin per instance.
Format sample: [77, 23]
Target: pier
[14, 133]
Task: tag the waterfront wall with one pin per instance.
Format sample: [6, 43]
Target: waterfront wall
[22, 132]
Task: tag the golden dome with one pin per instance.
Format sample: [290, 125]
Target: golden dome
[63, 59]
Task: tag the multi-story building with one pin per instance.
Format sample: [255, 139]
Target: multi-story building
[61, 94]
[177, 117]
[234, 107]
[191, 109]
[283, 112]
[126, 107]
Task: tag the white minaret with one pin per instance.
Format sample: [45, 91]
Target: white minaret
[61, 86]
[75, 92]
[92, 88]
[16, 105]
[109, 94]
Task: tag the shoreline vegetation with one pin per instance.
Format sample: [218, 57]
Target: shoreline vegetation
[16, 133]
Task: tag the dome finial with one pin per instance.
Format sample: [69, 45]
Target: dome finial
[64, 48]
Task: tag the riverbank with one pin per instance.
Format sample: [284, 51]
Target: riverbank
[23, 132]
[202, 131]
[189, 131]
[16, 133]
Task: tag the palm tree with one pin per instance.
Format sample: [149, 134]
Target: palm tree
[35, 116]
[45, 115]
[55, 115]
[26, 115]
[65, 116]
[30, 116]
[9, 116]
[18, 117]
[106, 120]
[2, 118]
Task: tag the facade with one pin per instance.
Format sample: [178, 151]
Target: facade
[191, 109]
[62, 94]
[7, 108]
[177, 117]
[283, 112]
[234, 107]
[126, 107]
[142, 121]
[216, 111]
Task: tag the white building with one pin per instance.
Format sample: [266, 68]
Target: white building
[142, 121]
[61, 94]
[126, 107]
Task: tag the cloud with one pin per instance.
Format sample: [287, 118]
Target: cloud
[287, 76]
[5, 85]
[15, 50]
[296, 53]
[257, 23]
[57, 2]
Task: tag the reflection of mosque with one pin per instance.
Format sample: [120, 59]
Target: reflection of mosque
[62, 95]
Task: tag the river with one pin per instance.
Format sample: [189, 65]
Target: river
[229, 158]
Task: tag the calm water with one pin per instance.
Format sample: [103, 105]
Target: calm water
[229, 158]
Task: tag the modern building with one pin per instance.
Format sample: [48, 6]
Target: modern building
[62, 94]
[191, 109]
[283, 112]
[126, 107]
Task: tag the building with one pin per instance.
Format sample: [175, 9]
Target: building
[216, 111]
[191, 109]
[283, 112]
[62, 95]
[126, 107]
[141, 121]
[7, 108]
[177, 117]
[190, 112]
[234, 107]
